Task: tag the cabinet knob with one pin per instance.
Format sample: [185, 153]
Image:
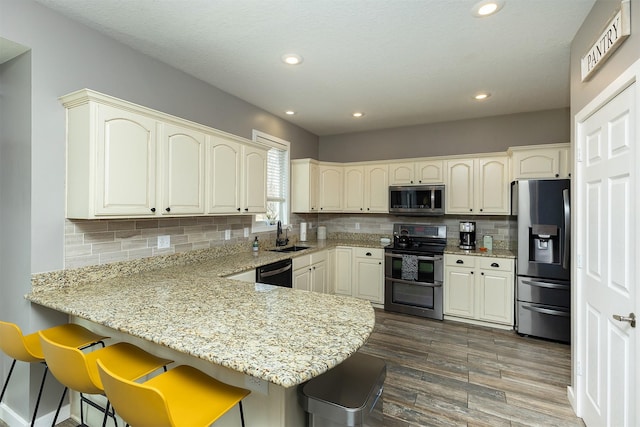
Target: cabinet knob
[420, 182]
[495, 264]
[470, 210]
[472, 272]
[482, 274]
[238, 209]
[459, 261]
[153, 209]
[360, 208]
[557, 175]
[380, 263]
[481, 209]
[368, 209]
[168, 209]
[246, 209]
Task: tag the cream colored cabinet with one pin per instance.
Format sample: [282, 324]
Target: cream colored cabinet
[246, 276]
[304, 186]
[310, 272]
[343, 271]
[237, 177]
[478, 186]
[183, 157]
[330, 178]
[354, 189]
[330, 287]
[421, 172]
[368, 274]
[541, 161]
[479, 290]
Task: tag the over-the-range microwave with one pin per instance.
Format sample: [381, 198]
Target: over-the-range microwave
[427, 200]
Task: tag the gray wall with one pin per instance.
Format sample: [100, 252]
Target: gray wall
[67, 56]
[491, 134]
[627, 54]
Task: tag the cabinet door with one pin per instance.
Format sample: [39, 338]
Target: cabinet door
[319, 277]
[126, 163]
[183, 159]
[354, 189]
[369, 279]
[304, 186]
[343, 274]
[429, 172]
[495, 297]
[224, 176]
[302, 279]
[460, 186]
[536, 163]
[493, 195]
[376, 188]
[400, 173]
[254, 176]
[459, 292]
[330, 188]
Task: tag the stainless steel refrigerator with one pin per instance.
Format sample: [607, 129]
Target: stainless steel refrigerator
[543, 289]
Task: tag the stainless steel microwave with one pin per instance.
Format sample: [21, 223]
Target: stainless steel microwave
[427, 200]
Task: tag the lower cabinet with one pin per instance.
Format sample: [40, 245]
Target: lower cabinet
[310, 272]
[360, 273]
[248, 276]
[479, 290]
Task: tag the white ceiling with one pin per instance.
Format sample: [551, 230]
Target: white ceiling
[402, 62]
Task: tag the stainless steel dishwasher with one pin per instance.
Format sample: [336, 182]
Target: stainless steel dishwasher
[278, 273]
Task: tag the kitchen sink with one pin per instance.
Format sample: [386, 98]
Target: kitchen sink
[290, 249]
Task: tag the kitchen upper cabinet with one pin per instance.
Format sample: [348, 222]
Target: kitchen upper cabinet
[421, 172]
[183, 158]
[124, 160]
[330, 187]
[354, 189]
[237, 177]
[366, 189]
[478, 186]
[304, 186]
[479, 290]
[546, 161]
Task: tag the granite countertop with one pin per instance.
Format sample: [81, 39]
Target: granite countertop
[284, 336]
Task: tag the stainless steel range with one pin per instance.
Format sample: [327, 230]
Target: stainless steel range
[414, 270]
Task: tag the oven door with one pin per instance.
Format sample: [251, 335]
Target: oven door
[416, 289]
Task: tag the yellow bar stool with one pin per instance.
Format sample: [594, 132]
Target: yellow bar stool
[26, 348]
[79, 371]
[180, 397]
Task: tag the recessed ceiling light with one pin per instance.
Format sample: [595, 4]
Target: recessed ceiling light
[358, 114]
[292, 59]
[487, 7]
[481, 96]
[290, 112]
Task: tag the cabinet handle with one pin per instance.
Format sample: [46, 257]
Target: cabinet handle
[168, 209]
[368, 254]
[360, 208]
[470, 210]
[368, 209]
[459, 261]
[380, 263]
[472, 272]
[420, 182]
[246, 209]
[557, 175]
[481, 209]
[482, 274]
[495, 264]
[153, 209]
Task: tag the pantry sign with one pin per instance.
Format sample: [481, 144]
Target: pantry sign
[614, 34]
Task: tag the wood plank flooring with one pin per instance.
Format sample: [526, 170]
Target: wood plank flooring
[453, 374]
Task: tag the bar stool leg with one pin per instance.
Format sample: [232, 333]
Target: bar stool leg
[6, 383]
[241, 413]
[55, 418]
[35, 411]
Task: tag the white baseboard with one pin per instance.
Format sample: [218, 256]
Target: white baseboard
[12, 419]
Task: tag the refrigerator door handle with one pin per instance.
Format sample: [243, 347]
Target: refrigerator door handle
[567, 228]
[545, 284]
[547, 311]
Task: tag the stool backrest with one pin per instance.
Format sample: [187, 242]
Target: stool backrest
[137, 404]
[13, 344]
[69, 366]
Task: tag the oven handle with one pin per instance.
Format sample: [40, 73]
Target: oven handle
[421, 258]
[412, 282]
[547, 311]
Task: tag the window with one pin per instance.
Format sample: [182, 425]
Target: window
[277, 183]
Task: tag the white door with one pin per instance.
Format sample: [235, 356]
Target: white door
[607, 214]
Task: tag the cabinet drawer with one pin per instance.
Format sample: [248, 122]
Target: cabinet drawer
[500, 264]
[369, 253]
[467, 261]
[318, 257]
[301, 261]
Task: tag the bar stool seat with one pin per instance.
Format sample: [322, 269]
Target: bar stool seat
[78, 371]
[27, 348]
[180, 397]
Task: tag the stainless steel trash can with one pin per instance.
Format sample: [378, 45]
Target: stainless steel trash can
[350, 394]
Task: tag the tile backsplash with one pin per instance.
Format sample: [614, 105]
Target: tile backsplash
[95, 242]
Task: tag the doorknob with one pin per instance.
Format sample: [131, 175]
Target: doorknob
[631, 319]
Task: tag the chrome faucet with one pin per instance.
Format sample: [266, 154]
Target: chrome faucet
[279, 240]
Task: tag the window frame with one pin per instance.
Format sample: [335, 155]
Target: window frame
[279, 143]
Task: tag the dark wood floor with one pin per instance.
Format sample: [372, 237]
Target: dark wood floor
[453, 374]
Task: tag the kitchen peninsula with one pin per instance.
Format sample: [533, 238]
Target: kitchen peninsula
[265, 338]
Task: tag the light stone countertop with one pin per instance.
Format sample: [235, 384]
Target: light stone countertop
[284, 336]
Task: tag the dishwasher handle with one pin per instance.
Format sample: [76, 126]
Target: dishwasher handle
[269, 273]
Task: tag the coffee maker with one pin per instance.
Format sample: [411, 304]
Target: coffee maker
[468, 235]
